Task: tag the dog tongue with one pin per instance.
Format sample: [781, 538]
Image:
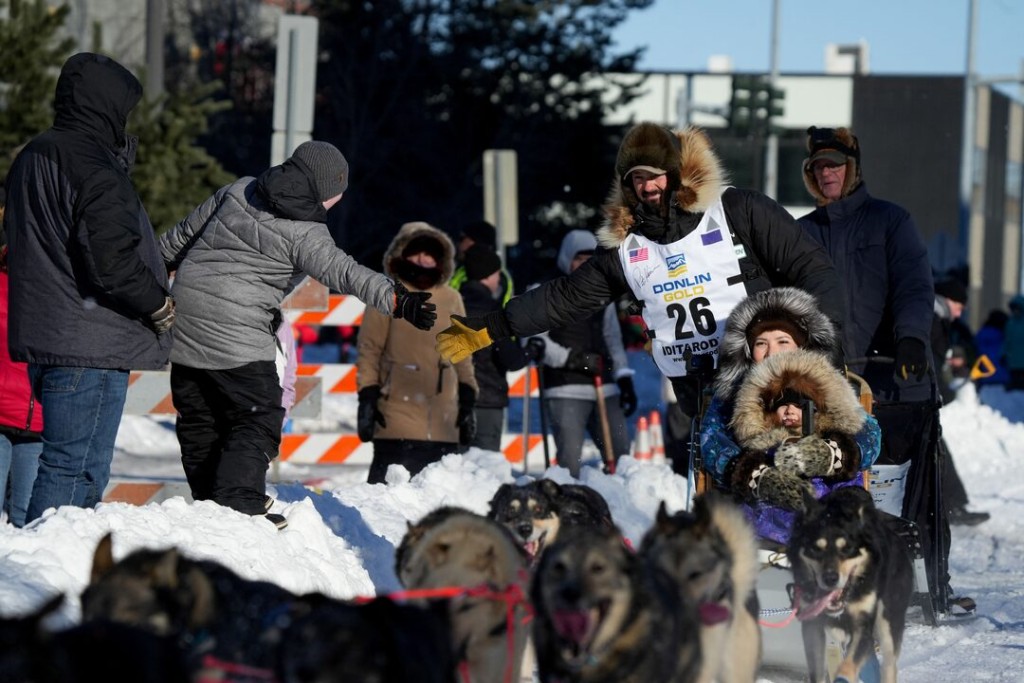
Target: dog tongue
[712, 613]
[818, 606]
[572, 625]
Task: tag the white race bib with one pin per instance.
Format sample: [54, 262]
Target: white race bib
[686, 290]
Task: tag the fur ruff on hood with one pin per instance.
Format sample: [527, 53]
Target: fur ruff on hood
[695, 173]
[790, 303]
[410, 231]
[837, 408]
[846, 137]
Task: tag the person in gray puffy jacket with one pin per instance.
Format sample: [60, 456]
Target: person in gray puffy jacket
[236, 257]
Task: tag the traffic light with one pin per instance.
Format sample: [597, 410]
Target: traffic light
[754, 104]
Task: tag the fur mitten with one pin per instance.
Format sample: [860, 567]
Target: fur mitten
[830, 455]
[782, 489]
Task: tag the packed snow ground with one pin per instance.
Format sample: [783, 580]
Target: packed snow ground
[342, 532]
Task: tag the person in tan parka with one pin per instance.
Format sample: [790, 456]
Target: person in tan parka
[413, 405]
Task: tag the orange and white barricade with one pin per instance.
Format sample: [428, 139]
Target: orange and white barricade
[149, 393]
[517, 382]
[341, 310]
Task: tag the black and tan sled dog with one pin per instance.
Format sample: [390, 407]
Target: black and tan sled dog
[711, 554]
[537, 512]
[854, 575]
[604, 615]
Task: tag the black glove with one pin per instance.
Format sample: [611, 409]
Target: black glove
[627, 395]
[588, 363]
[534, 349]
[162, 319]
[413, 306]
[911, 359]
[369, 413]
[466, 420]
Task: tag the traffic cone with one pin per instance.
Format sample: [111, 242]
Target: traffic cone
[657, 439]
[642, 442]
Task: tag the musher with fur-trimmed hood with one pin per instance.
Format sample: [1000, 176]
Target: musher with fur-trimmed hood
[681, 242]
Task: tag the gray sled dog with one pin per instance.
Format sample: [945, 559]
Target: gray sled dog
[537, 512]
[453, 547]
[712, 555]
[854, 575]
[604, 615]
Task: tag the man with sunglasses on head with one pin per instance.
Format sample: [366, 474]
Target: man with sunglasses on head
[889, 294]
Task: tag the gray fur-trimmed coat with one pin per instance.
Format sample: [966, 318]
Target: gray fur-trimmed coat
[236, 261]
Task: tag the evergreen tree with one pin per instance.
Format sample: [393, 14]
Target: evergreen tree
[414, 91]
[30, 59]
[172, 173]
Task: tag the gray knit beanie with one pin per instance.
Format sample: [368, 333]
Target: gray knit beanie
[329, 167]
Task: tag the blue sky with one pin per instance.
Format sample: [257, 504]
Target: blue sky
[904, 36]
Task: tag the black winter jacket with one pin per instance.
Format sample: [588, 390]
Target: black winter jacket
[778, 253]
[85, 270]
[887, 283]
[491, 364]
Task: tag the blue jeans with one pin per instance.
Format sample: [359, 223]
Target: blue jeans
[83, 409]
[19, 460]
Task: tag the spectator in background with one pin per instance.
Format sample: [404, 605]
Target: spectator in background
[413, 405]
[1013, 344]
[237, 256]
[88, 293]
[21, 418]
[572, 357]
[883, 262]
[485, 234]
[989, 343]
[479, 294]
[950, 300]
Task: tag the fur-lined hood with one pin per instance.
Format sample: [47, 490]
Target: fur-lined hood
[789, 303]
[410, 231]
[809, 373]
[696, 177]
[842, 138]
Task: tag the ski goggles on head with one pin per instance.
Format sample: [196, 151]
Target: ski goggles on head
[825, 139]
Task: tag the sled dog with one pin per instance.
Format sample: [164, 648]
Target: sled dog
[603, 614]
[97, 650]
[453, 547]
[711, 554]
[536, 512]
[853, 574]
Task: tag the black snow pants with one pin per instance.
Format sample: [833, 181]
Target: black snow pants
[229, 429]
[911, 431]
[412, 454]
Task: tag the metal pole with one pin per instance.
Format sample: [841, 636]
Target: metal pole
[293, 77]
[154, 48]
[771, 151]
[967, 143]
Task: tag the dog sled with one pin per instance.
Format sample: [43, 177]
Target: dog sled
[889, 484]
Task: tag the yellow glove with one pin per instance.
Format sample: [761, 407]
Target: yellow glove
[459, 341]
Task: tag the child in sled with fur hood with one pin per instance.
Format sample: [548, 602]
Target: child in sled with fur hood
[774, 368]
